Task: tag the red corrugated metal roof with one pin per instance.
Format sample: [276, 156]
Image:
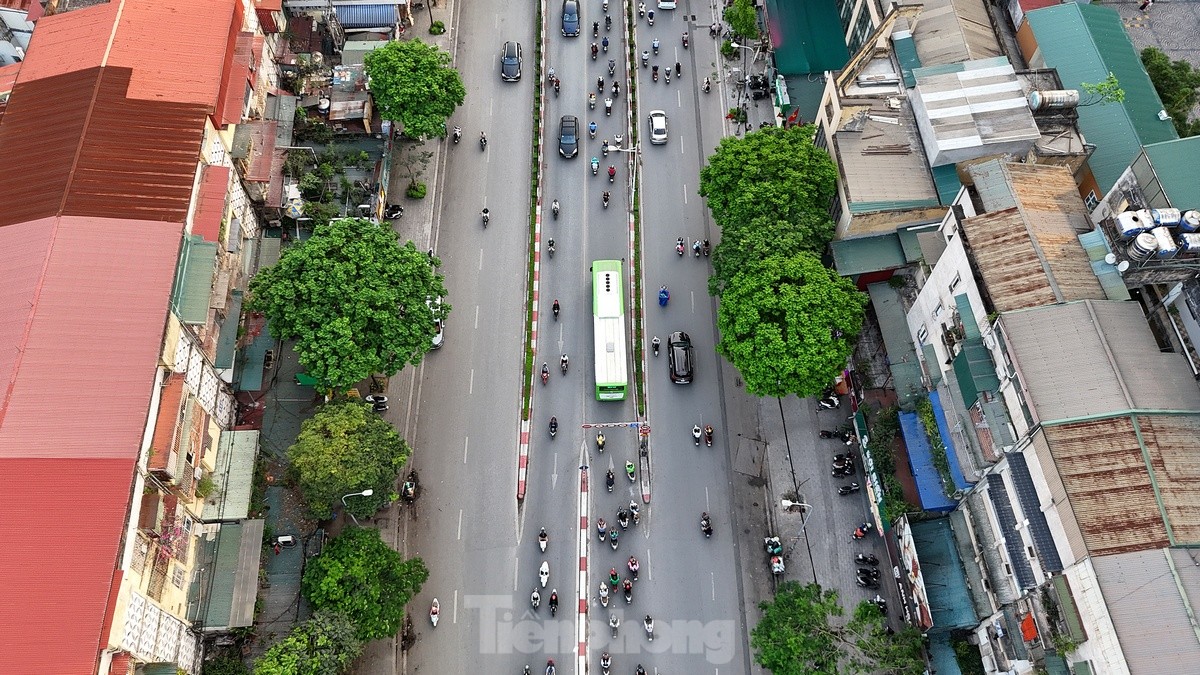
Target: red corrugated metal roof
[164, 428]
[168, 43]
[1030, 5]
[76, 300]
[262, 148]
[210, 206]
[235, 74]
[59, 559]
[8, 76]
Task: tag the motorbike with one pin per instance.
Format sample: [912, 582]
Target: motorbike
[630, 469]
[648, 624]
[862, 530]
[595, 165]
[487, 215]
[603, 595]
[707, 248]
[379, 402]
[706, 525]
[668, 75]
[707, 85]
[611, 480]
[679, 246]
[881, 603]
[607, 19]
[633, 511]
[664, 296]
[678, 69]
[592, 125]
[645, 58]
[595, 28]
[604, 148]
[697, 247]
[550, 669]
[600, 441]
[685, 40]
[773, 545]
[553, 427]
[654, 73]
[866, 583]
[708, 435]
[557, 87]
[562, 363]
[595, 51]
[612, 173]
[614, 579]
[434, 611]
[550, 250]
[545, 374]
[696, 434]
[868, 558]
[604, 44]
[777, 566]
[613, 534]
[601, 528]
[393, 211]
[544, 573]
[608, 107]
[612, 67]
[829, 402]
[599, 85]
[614, 623]
[543, 539]
[555, 309]
[872, 572]
[457, 135]
[650, 17]
[605, 662]
[641, 10]
[592, 106]
[535, 599]
[618, 140]
[410, 488]
[655, 342]
[628, 592]
[553, 602]
[848, 489]
[633, 566]
[616, 90]
[482, 141]
[654, 46]
[554, 208]
[843, 435]
[606, 200]
[623, 519]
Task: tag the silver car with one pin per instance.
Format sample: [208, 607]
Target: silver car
[658, 127]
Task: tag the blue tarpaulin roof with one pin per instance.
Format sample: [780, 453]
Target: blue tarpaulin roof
[960, 481]
[920, 459]
[366, 16]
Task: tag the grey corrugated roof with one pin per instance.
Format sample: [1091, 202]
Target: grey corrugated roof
[881, 158]
[1095, 358]
[953, 31]
[1151, 598]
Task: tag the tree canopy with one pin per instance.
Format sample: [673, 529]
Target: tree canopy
[362, 577]
[742, 18]
[788, 324]
[771, 172]
[1177, 83]
[355, 301]
[743, 244]
[346, 448]
[800, 633]
[413, 83]
[326, 644]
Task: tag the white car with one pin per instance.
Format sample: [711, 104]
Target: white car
[666, 4]
[439, 338]
[658, 127]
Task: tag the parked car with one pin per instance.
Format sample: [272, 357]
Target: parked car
[568, 136]
[658, 127]
[510, 61]
[439, 338]
[570, 18]
[680, 357]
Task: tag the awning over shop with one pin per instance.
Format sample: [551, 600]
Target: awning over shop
[920, 458]
[233, 477]
[194, 279]
[367, 16]
[223, 596]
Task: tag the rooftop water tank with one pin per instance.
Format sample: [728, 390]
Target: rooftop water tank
[1166, 217]
[1166, 243]
[1190, 222]
[1143, 246]
[1132, 223]
[1053, 99]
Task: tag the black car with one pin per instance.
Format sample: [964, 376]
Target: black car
[680, 357]
[570, 18]
[568, 136]
[510, 61]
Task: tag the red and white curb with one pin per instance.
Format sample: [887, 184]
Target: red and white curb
[581, 584]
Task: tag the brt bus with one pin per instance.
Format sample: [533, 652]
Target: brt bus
[608, 319]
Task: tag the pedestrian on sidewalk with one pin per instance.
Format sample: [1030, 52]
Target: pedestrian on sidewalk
[714, 30]
[1146, 4]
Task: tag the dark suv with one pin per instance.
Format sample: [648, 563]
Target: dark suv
[680, 357]
[568, 136]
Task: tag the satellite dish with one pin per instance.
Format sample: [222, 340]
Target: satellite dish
[1111, 259]
[1123, 266]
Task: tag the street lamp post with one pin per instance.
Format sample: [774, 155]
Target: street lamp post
[365, 493]
[807, 508]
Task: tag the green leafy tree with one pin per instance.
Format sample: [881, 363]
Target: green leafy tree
[1107, 90]
[776, 173]
[346, 448]
[326, 644]
[743, 244]
[1176, 83]
[413, 83]
[362, 577]
[742, 18]
[224, 664]
[788, 324]
[355, 301]
[800, 633]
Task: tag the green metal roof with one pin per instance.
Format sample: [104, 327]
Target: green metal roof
[807, 37]
[945, 179]
[1070, 39]
[194, 279]
[868, 254]
[892, 205]
[910, 244]
[906, 54]
[1174, 165]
